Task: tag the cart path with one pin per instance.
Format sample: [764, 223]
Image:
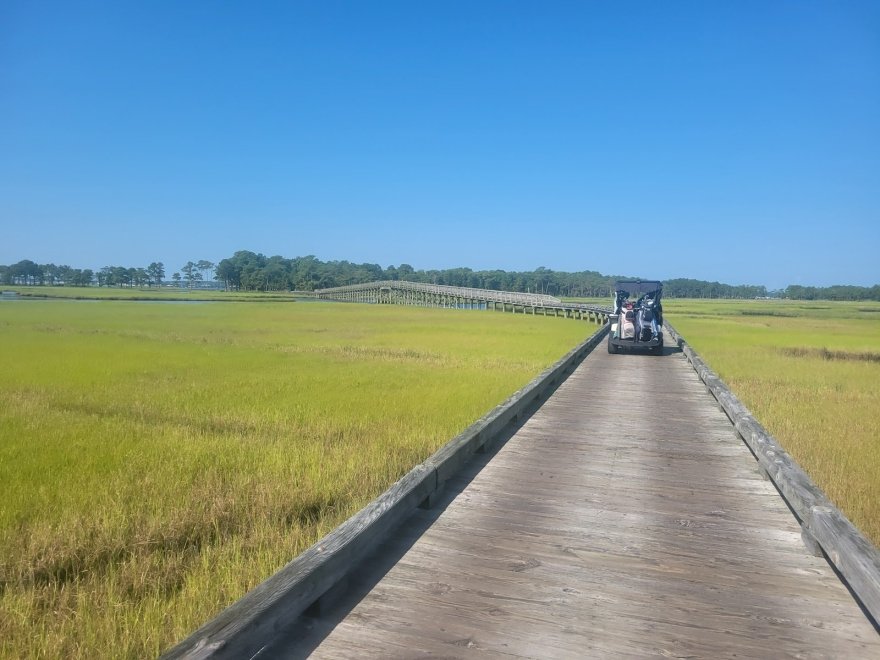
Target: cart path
[623, 519]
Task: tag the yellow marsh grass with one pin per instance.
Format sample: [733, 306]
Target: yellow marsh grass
[810, 373]
[159, 460]
[146, 293]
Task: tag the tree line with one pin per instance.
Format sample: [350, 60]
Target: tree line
[247, 270]
[250, 271]
[29, 273]
[836, 292]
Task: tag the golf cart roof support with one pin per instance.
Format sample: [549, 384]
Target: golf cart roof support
[637, 287]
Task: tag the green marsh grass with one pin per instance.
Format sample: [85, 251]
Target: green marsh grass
[809, 371]
[165, 293]
[604, 301]
[159, 460]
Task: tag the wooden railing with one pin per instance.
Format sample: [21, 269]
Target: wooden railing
[439, 295]
[241, 630]
[824, 528]
[464, 293]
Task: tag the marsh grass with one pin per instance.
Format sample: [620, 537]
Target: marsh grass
[603, 300]
[156, 293]
[158, 461]
[809, 373]
[825, 354]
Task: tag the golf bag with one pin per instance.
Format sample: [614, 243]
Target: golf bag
[646, 323]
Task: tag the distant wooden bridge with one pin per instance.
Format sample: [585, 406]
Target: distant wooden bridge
[617, 506]
[397, 292]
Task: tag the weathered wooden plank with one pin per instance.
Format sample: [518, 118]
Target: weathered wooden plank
[624, 519]
[851, 552]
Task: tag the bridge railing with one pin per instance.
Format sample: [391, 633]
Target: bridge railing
[530, 299]
[380, 290]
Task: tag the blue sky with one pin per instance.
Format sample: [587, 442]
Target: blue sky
[730, 141]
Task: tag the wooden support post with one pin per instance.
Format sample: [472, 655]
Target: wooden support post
[431, 500]
[810, 543]
[328, 599]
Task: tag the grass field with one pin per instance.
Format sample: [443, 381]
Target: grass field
[809, 371]
[603, 302]
[158, 460]
[146, 293]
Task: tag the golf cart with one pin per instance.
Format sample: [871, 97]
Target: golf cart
[637, 317]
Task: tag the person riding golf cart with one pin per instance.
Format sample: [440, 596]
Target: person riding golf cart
[637, 316]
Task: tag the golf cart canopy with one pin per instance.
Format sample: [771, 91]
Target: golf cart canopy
[637, 317]
[638, 287]
[635, 291]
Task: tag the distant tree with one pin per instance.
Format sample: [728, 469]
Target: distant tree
[49, 274]
[156, 273]
[228, 273]
[252, 276]
[306, 272]
[276, 273]
[66, 274]
[189, 270]
[493, 280]
[798, 292]
[245, 270]
[83, 277]
[109, 276]
[204, 267]
[124, 276]
[26, 272]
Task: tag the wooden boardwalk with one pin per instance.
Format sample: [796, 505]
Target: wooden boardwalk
[623, 519]
[401, 292]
